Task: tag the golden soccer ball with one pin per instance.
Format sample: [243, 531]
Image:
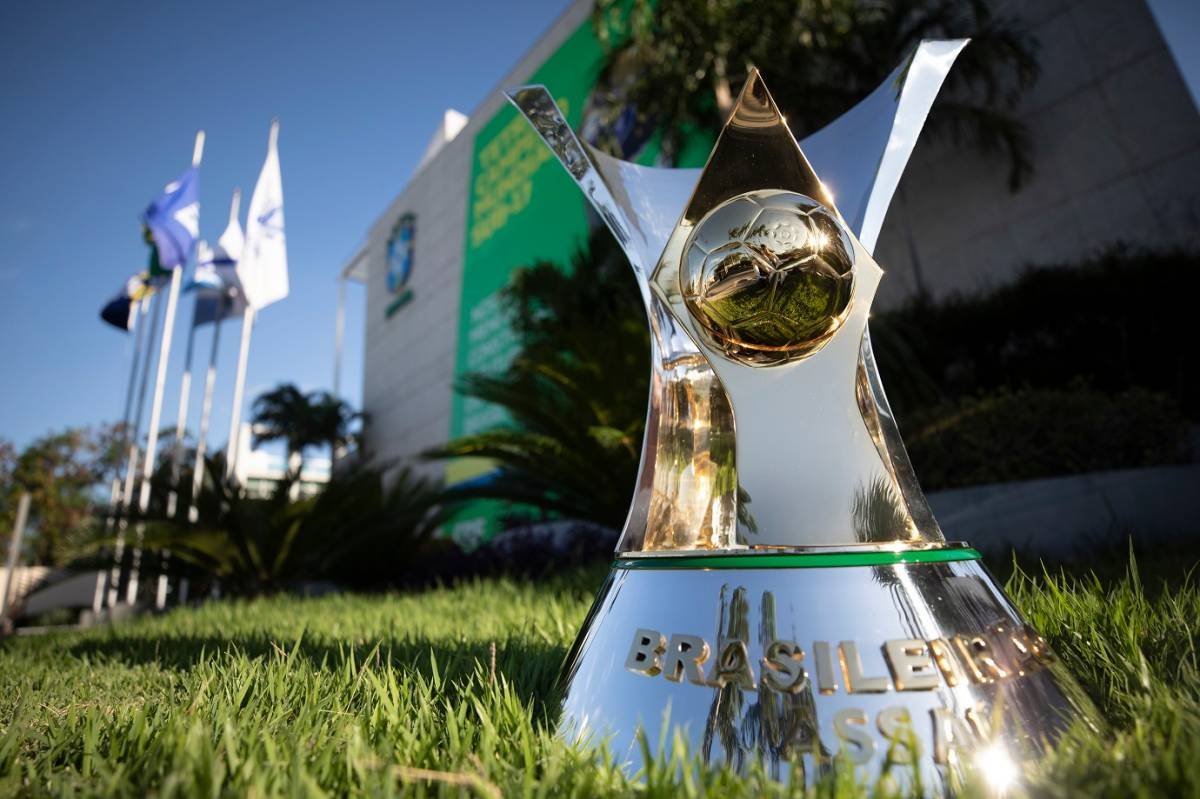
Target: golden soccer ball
[768, 276]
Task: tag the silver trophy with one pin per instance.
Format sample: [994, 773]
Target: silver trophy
[782, 591]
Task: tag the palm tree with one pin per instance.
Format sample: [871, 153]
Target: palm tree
[680, 63]
[283, 414]
[302, 421]
[333, 421]
[575, 394]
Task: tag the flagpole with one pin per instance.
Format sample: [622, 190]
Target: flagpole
[151, 456]
[14, 552]
[339, 335]
[185, 390]
[239, 386]
[114, 579]
[138, 331]
[262, 293]
[210, 380]
[160, 382]
[198, 149]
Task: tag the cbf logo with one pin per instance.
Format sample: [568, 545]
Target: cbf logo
[271, 222]
[399, 262]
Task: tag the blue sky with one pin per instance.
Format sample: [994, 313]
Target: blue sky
[98, 107]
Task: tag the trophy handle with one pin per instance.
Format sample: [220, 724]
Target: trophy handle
[685, 494]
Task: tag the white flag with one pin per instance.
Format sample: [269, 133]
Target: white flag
[262, 270]
[229, 248]
[205, 276]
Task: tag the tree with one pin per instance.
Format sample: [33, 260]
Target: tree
[680, 64]
[302, 421]
[9, 491]
[61, 472]
[282, 414]
[333, 420]
[576, 393]
[110, 447]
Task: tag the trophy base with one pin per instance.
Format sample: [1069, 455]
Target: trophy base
[910, 661]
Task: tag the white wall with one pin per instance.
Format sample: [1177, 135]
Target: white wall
[408, 374]
[1117, 156]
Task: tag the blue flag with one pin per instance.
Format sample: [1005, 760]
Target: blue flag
[173, 220]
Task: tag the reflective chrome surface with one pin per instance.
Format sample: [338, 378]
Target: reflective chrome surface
[770, 448]
[795, 665]
[687, 490]
[809, 470]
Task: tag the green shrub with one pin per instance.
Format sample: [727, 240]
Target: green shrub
[361, 531]
[1068, 369]
[1033, 432]
[1119, 320]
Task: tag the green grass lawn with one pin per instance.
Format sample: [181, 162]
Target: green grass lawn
[450, 692]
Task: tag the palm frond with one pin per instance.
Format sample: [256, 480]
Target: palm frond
[575, 395]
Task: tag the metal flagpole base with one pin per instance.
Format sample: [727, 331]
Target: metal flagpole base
[908, 655]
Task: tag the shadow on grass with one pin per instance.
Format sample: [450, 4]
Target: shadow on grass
[455, 653]
[530, 667]
[1162, 565]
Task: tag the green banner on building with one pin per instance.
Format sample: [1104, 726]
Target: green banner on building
[522, 208]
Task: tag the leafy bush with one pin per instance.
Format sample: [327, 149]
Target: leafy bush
[1031, 433]
[1068, 369]
[576, 393]
[1120, 320]
[359, 531]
